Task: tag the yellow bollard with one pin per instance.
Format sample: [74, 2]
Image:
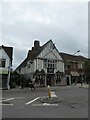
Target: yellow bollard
[49, 92]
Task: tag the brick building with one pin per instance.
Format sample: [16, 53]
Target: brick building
[74, 67]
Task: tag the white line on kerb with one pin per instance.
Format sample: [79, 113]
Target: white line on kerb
[6, 104]
[32, 101]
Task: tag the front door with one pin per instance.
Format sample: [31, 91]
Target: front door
[68, 81]
[48, 80]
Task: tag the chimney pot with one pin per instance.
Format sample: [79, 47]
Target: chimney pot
[36, 43]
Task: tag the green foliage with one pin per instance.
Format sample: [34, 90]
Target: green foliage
[18, 79]
[14, 79]
[13, 84]
[87, 70]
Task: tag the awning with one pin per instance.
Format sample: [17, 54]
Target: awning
[3, 71]
[74, 73]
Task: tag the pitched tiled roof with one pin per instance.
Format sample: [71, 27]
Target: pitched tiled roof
[67, 56]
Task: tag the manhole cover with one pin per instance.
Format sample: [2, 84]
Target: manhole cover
[76, 105]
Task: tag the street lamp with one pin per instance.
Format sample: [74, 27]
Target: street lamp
[74, 61]
[8, 79]
[76, 52]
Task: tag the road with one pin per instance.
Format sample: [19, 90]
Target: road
[18, 103]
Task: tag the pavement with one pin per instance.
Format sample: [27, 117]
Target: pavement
[78, 85]
[84, 85]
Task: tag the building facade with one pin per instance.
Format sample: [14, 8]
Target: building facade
[74, 68]
[6, 54]
[44, 63]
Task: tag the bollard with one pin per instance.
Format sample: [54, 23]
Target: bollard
[49, 92]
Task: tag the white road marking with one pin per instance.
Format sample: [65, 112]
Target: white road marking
[32, 101]
[53, 94]
[7, 100]
[45, 104]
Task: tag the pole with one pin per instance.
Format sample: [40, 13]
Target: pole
[74, 63]
[8, 79]
[49, 92]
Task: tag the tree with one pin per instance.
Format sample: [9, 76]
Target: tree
[14, 79]
[87, 70]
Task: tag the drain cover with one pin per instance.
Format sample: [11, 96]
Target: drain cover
[76, 105]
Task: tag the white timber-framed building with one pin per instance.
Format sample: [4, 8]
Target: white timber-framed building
[45, 64]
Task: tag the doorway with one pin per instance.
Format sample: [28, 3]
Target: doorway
[68, 81]
[48, 80]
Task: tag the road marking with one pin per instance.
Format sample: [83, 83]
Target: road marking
[7, 100]
[45, 104]
[32, 101]
[53, 94]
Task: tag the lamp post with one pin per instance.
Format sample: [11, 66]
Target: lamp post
[74, 61]
[76, 52]
[8, 79]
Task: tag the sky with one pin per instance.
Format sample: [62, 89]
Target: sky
[23, 21]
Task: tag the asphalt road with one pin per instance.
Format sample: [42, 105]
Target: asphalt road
[18, 103]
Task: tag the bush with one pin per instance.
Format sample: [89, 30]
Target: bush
[13, 84]
[14, 77]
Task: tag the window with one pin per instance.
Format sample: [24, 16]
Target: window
[80, 66]
[2, 62]
[50, 65]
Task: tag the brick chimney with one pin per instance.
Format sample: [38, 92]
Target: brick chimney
[34, 49]
[36, 44]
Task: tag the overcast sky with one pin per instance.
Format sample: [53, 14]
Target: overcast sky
[66, 23]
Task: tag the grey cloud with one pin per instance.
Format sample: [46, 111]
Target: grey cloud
[66, 24]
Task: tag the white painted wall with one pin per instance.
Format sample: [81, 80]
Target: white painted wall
[60, 66]
[50, 53]
[3, 55]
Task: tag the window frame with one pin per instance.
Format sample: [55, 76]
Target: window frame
[2, 63]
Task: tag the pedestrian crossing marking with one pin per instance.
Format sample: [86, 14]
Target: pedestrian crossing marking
[45, 104]
[32, 101]
[53, 94]
[1, 102]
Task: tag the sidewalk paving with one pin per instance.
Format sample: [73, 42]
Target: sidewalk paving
[78, 85]
[84, 85]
